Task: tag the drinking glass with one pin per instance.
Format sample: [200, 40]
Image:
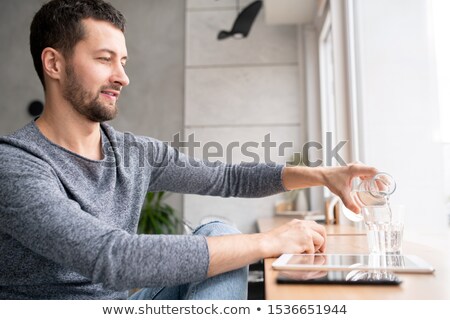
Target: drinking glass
[384, 225]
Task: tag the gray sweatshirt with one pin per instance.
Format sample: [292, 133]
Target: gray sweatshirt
[68, 224]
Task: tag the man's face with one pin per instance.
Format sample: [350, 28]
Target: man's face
[95, 72]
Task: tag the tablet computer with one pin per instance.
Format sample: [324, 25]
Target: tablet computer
[393, 263]
[353, 277]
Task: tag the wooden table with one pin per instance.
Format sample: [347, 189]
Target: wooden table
[347, 239]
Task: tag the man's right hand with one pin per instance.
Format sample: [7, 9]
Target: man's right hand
[235, 251]
[297, 236]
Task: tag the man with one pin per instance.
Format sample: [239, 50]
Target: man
[69, 204]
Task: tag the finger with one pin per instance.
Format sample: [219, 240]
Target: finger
[319, 241]
[350, 203]
[318, 228]
[309, 247]
[323, 248]
[323, 234]
[363, 171]
[357, 200]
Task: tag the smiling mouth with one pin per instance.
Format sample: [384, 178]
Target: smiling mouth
[110, 94]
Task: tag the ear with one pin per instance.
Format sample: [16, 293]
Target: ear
[52, 63]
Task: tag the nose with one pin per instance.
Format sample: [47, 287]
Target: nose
[120, 77]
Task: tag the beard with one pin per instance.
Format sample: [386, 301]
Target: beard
[84, 102]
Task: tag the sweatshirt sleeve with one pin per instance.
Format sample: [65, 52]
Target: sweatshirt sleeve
[176, 172]
[36, 212]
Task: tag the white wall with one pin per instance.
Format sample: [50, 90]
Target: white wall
[238, 90]
[398, 106]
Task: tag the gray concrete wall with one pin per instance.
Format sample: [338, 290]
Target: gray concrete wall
[153, 103]
[237, 91]
[19, 83]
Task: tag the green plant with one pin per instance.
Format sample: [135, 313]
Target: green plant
[157, 217]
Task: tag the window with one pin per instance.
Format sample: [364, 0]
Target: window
[327, 79]
[327, 94]
[441, 25]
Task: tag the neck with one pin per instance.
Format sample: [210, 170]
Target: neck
[64, 126]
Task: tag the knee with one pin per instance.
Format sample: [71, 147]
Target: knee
[232, 284]
[216, 228]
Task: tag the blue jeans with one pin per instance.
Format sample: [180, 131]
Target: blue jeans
[227, 286]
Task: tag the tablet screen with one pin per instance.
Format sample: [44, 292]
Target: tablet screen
[349, 260]
[397, 263]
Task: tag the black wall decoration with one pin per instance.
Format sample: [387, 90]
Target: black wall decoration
[243, 22]
[35, 108]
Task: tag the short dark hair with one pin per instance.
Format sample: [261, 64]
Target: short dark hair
[58, 24]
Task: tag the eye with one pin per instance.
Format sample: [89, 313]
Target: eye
[106, 59]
